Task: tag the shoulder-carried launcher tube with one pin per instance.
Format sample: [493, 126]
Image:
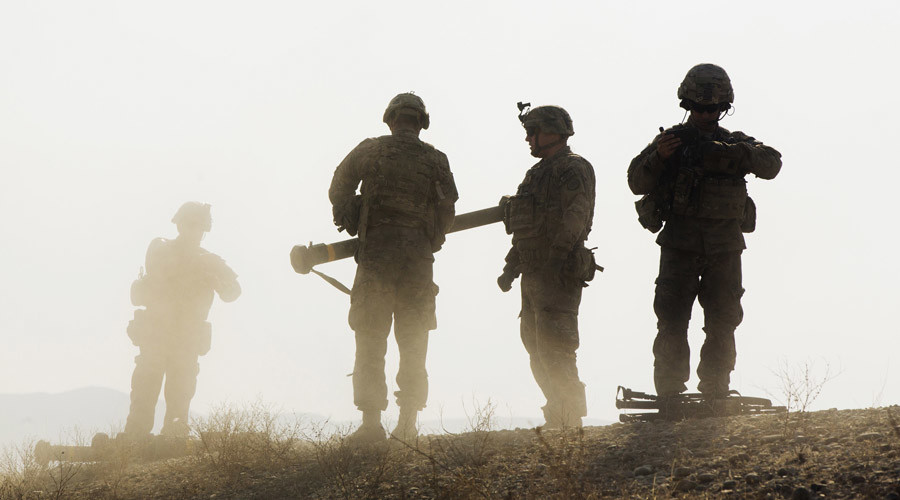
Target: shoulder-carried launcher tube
[305, 257]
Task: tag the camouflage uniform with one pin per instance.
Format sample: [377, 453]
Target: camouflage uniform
[405, 205]
[172, 332]
[700, 192]
[550, 218]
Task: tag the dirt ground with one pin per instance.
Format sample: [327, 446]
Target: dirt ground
[825, 454]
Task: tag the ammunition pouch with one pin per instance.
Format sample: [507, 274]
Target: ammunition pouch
[580, 265]
[140, 328]
[709, 197]
[722, 198]
[521, 217]
[686, 182]
[649, 213]
[748, 223]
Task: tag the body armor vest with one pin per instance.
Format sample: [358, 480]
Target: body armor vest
[695, 192]
[177, 291]
[535, 214]
[535, 209]
[400, 190]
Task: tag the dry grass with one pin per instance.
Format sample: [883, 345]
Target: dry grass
[255, 452]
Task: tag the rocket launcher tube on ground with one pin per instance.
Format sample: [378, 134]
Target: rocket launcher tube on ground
[305, 257]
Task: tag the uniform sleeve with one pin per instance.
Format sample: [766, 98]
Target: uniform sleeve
[645, 169]
[757, 158]
[577, 201]
[346, 179]
[446, 195]
[154, 254]
[512, 262]
[224, 278]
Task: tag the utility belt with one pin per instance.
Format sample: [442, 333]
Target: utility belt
[580, 265]
[145, 330]
[396, 217]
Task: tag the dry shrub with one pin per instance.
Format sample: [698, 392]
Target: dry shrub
[801, 385]
[563, 454]
[24, 477]
[234, 440]
[20, 474]
[348, 469]
[472, 448]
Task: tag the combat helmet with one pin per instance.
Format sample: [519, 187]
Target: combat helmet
[706, 84]
[550, 119]
[194, 213]
[407, 104]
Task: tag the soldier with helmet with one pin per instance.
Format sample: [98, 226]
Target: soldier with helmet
[550, 218]
[692, 177]
[405, 205]
[171, 330]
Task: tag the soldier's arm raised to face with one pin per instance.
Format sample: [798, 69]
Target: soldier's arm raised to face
[577, 197]
[645, 169]
[225, 280]
[758, 159]
[346, 179]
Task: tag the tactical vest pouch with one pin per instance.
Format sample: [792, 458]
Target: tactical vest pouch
[649, 213]
[581, 265]
[685, 183]
[748, 223]
[722, 198]
[520, 216]
[139, 328]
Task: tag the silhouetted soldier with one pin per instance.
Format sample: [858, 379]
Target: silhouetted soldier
[550, 218]
[693, 179]
[177, 290]
[405, 207]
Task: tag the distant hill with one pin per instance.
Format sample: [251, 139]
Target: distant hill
[59, 416]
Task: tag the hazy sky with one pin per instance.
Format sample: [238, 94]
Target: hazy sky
[114, 113]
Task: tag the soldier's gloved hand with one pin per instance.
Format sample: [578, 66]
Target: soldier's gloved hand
[666, 145]
[505, 280]
[722, 158]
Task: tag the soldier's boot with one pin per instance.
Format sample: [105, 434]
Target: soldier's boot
[668, 382]
[405, 430]
[714, 387]
[177, 428]
[567, 411]
[553, 416]
[561, 417]
[371, 431]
